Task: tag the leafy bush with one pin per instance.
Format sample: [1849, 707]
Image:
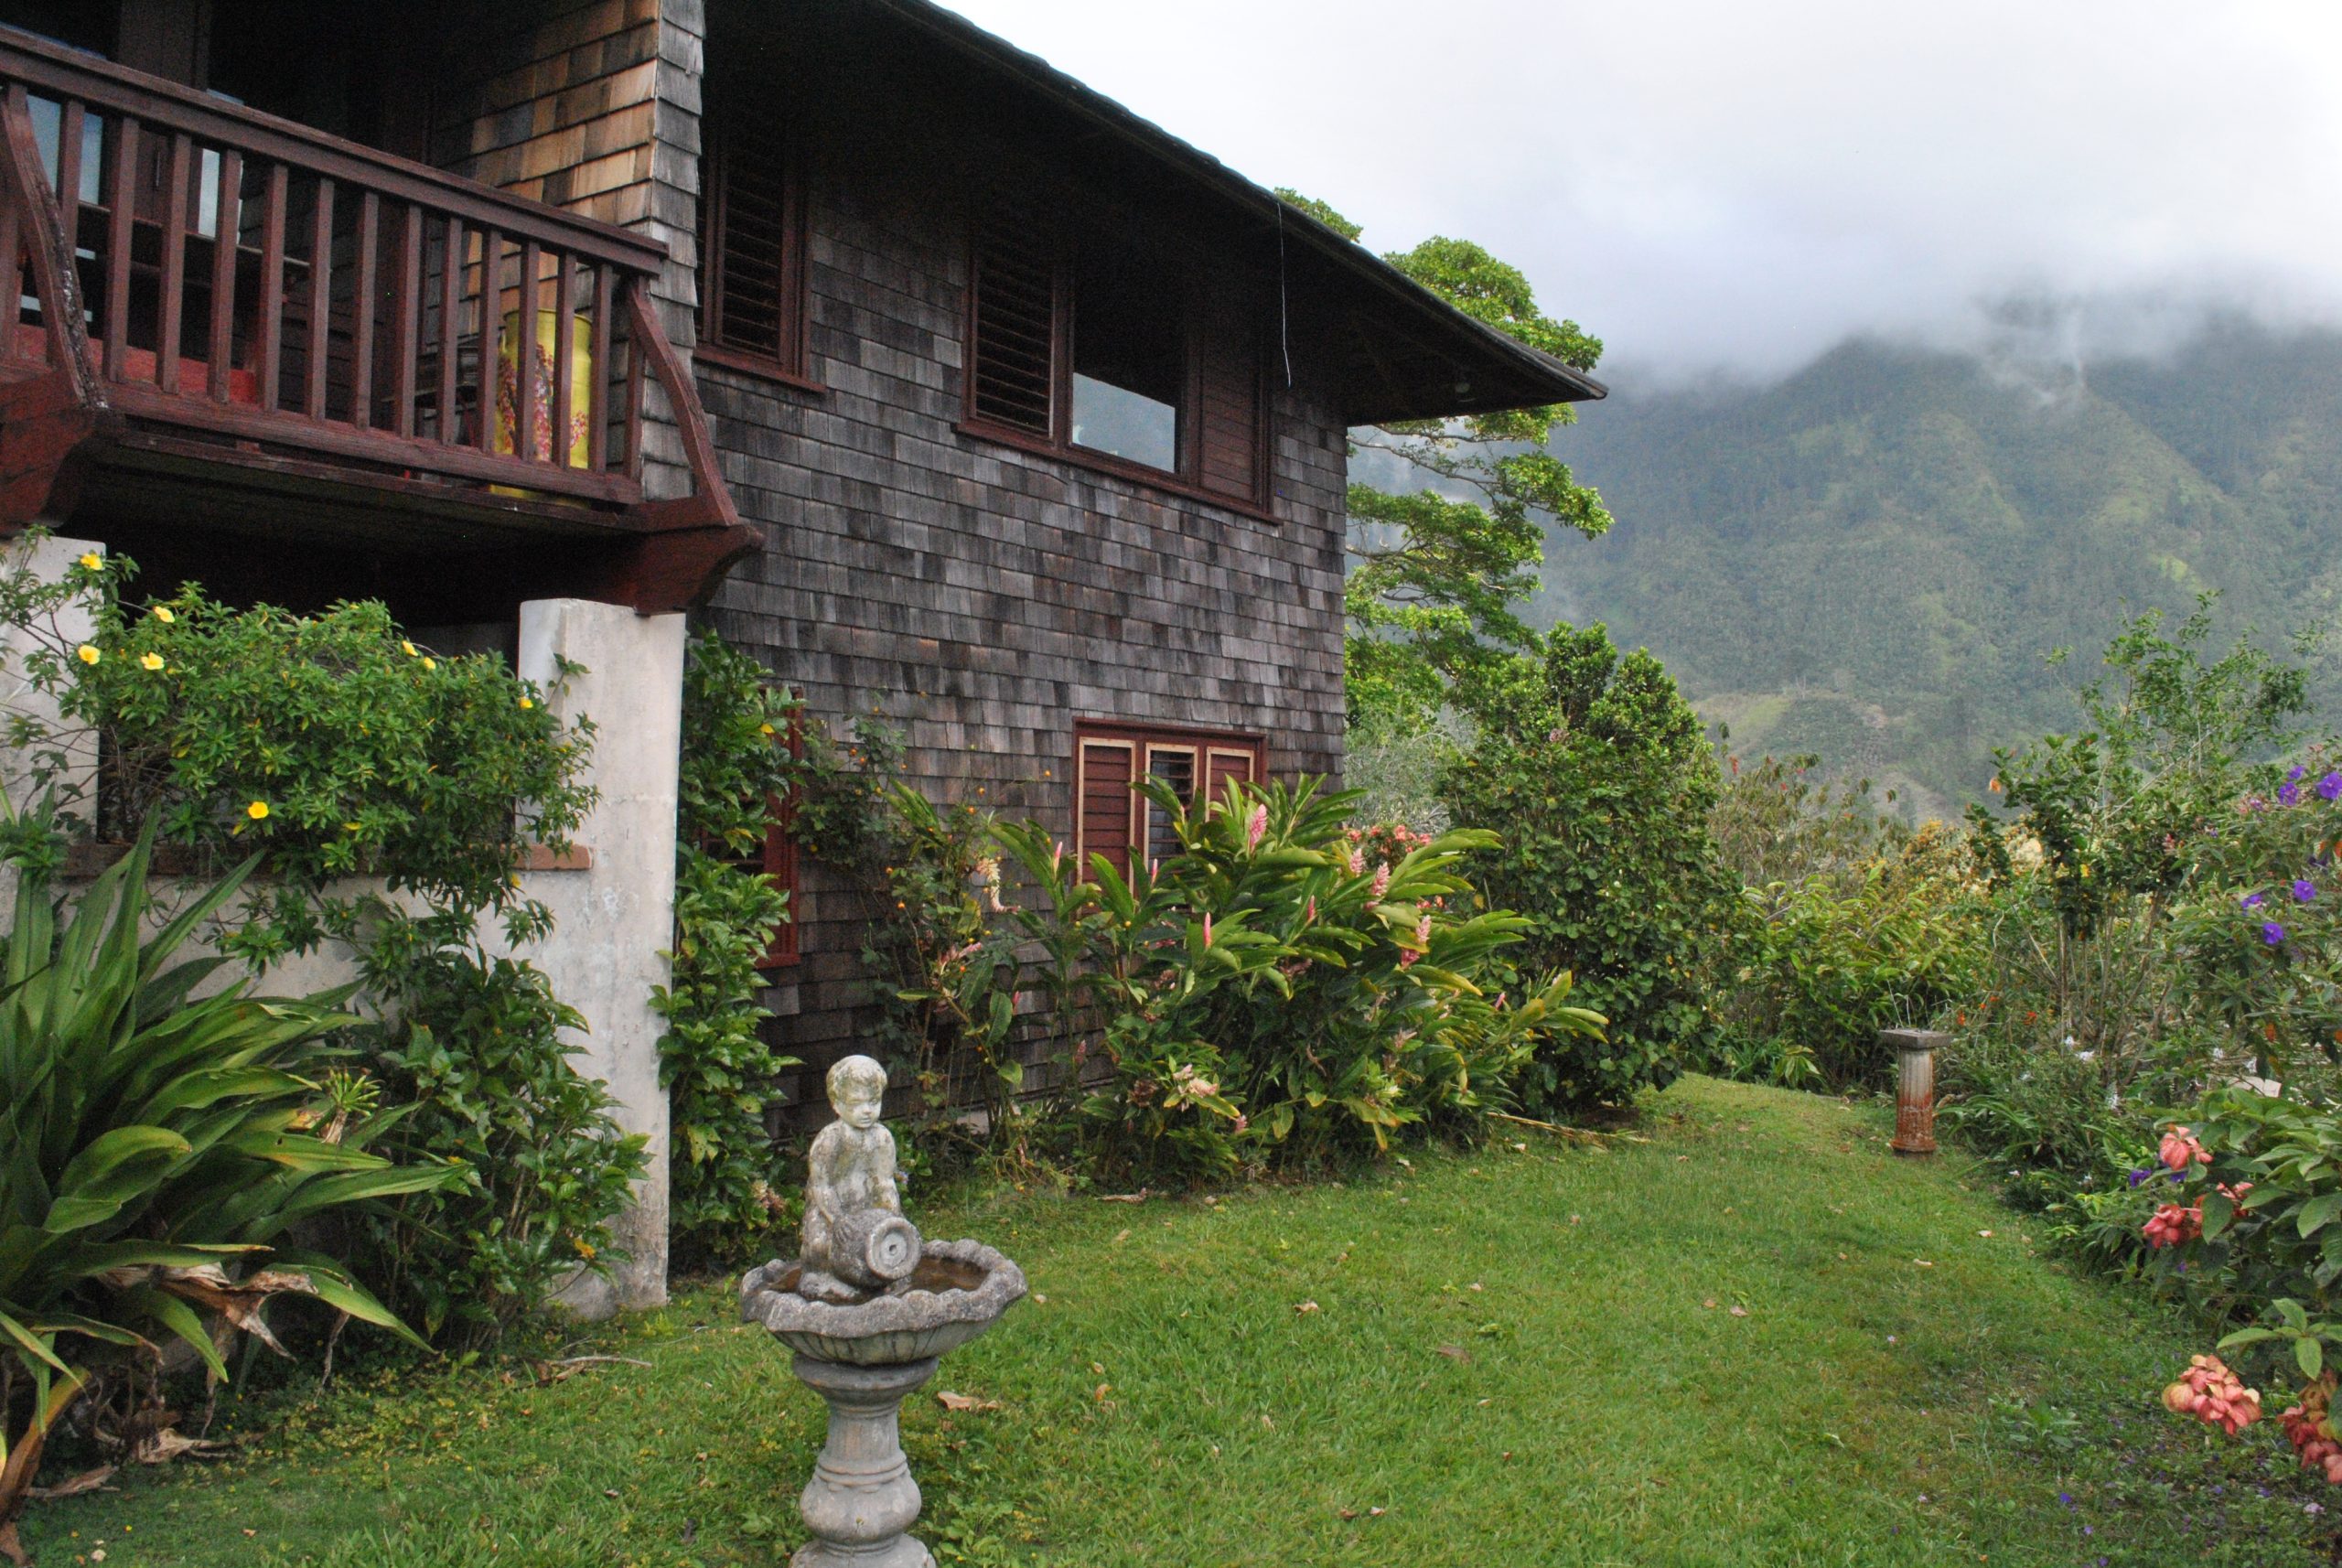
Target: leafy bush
[1595, 776]
[1284, 989]
[331, 743]
[154, 1148]
[1828, 963]
[476, 1061]
[713, 1060]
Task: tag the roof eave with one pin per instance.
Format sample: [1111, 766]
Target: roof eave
[1554, 381]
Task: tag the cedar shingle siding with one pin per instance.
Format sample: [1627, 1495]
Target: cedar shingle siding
[980, 599]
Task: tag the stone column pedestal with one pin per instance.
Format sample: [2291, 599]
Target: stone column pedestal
[1915, 1087]
[862, 1497]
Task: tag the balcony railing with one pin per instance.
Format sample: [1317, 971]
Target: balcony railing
[202, 270]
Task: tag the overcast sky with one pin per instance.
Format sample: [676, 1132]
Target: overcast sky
[1724, 185]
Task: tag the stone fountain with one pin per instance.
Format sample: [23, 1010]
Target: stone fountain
[868, 1307]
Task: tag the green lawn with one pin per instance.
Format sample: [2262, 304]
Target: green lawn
[1754, 1338]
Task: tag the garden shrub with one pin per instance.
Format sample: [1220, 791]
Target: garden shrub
[736, 764]
[2121, 959]
[388, 792]
[1284, 990]
[941, 958]
[475, 1057]
[1824, 963]
[155, 1149]
[1596, 778]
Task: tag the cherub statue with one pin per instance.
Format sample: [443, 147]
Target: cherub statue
[855, 1239]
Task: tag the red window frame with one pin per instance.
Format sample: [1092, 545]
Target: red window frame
[1215, 755]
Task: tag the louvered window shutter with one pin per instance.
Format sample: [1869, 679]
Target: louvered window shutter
[1229, 763]
[1013, 371]
[1231, 444]
[755, 290]
[1105, 806]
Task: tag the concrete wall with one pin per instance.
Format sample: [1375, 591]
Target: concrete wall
[612, 917]
[47, 560]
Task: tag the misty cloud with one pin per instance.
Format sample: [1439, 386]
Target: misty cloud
[1719, 185]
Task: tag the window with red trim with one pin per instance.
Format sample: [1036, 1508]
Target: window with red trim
[1111, 817]
[1104, 341]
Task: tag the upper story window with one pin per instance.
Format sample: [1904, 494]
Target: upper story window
[752, 247]
[1118, 351]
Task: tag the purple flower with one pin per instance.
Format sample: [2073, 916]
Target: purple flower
[2330, 786]
[2289, 794]
[2295, 775]
[2140, 1175]
[2271, 932]
[2251, 901]
[2304, 891]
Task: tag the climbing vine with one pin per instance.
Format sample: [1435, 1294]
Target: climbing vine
[737, 763]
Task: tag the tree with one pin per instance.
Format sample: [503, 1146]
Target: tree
[1437, 573]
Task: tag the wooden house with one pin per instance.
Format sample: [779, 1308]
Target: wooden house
[963, 397]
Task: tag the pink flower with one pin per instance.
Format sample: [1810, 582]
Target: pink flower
[2173, 1226]
[1206, 930]
[2214, 1395]
[1255, 826]
[2180, 1147]
[1422, 931]
[1381, 882]
[1309, 915]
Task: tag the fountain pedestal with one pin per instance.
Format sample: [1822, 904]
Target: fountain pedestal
[862, 1497]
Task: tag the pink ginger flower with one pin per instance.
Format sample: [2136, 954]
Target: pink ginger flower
[1422, 931]
[1381, 882]
[1206, 930]
[1358, 862]
[1256, 826]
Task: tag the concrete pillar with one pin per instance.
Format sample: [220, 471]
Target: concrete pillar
[613, 921]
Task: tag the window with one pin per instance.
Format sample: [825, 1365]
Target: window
[752, 251]
[1118, 349]
[1110, 816]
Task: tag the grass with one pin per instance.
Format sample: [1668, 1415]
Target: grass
[1754, 1338]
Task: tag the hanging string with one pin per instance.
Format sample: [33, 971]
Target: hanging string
[1284, 339]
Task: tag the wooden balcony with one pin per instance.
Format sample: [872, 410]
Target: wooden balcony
[227, 320]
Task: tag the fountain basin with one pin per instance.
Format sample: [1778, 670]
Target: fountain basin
[957, 1291]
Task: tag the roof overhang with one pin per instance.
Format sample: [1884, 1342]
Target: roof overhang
[1397, 351]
